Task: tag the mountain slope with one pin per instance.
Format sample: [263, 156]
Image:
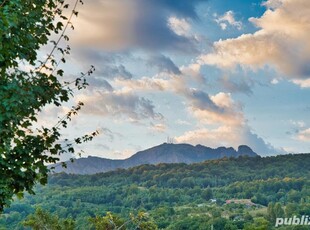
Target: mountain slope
[164, 153]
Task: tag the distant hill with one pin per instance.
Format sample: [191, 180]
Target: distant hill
[164, 153]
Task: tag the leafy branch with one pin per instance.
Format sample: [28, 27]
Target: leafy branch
[24, 153]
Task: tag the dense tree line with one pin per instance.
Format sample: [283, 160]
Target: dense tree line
[212, 173]
[177, 196]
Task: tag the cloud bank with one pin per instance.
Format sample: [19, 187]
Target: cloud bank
[160, 30]
[119, 105]
[218, 118]
[282, 42]
[126, 24]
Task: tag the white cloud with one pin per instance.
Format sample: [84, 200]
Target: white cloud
[210, 137]
[303, 83]
[223, 100]
[299, 124]
[143, 84]
[249, 50]
[223, 25]
[274, 81]
[304, 135]
[227, 117]
[180, 26]
[192, 71]
[228, 136]
[229, 126]
[216, 109]
[228, 19]
[119, 105]
[122, 154]
[50, 115]
[159, 128]
[282, 42]
[272, 3]
[182, 122]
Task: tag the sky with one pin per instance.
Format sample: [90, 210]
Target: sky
[216, 73]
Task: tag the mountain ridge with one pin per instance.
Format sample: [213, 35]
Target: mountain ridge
[164, 153]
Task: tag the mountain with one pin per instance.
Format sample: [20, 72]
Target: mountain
[164, 153]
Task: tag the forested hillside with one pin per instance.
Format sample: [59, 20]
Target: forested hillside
[230, 193]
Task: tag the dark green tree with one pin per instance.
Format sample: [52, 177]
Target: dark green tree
[230, 226]
[278, 210]
[291, 209]
[258, 224]
[275, 211]
[271, 215]
[207, 194]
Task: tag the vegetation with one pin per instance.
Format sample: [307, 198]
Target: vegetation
[242, 193]
[43, 220]
[27, 85]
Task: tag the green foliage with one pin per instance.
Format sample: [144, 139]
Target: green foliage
[24, 28]
[108, 222]
[275, 211]
[207, 194]
[25, 149]
[259, 224]
[271, 215]
[44, 220]
[230, 226]
[191, 223]
[111, 221]
[291, 209]
[142, 221]
[85, 196]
